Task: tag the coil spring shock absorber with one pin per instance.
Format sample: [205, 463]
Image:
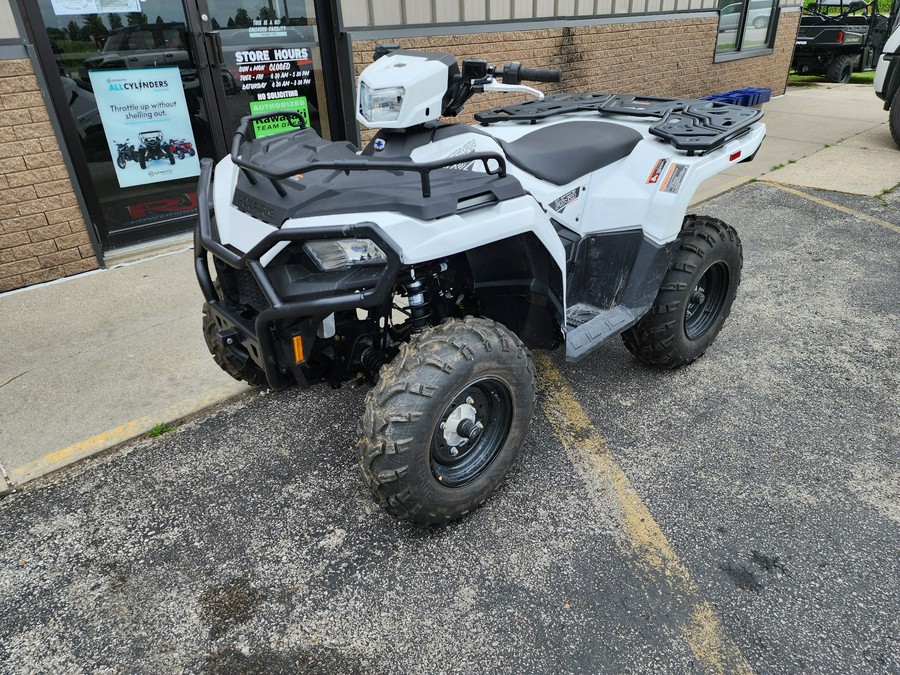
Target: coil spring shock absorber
[417, 294]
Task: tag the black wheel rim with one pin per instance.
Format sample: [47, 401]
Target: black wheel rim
[706, 301]
[486, 402]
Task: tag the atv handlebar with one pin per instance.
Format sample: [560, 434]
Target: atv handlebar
[514, 72]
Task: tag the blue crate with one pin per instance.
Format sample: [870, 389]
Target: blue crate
[748, 96]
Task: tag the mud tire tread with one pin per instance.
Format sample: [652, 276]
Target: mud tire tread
[658, 339]
[894, 117]
[837, 71]
[396, 427]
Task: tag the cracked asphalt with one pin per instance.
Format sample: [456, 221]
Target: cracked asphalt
[244, 541]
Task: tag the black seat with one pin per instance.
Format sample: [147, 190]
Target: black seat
[560, 153]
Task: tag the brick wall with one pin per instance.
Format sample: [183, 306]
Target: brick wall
[652, 58]
[42, 233]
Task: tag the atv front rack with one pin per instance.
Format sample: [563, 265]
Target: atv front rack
[691, 125]
[309, 161]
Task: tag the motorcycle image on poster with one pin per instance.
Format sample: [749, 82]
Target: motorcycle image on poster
[147, 104]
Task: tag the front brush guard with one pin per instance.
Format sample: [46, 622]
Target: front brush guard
[258, 332]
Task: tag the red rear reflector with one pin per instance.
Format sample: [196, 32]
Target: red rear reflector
[840, 36]
[734, 156]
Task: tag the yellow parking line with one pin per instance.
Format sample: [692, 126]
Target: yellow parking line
[124, 432]
[641, 537]
[832, 205]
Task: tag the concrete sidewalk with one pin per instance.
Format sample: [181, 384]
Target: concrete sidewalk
[94, 360]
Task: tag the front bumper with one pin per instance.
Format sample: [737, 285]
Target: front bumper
[256, 337]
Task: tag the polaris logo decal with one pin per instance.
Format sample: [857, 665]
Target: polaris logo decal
[569, 198]
[654, 176]
[466, 149]
[253, 207]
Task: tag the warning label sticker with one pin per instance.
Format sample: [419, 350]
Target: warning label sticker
[674, 178]
[657, 171]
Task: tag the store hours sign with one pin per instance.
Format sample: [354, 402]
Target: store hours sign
[277, 79]
[147, 124]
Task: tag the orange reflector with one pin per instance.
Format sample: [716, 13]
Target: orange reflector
[298, 349]
[734, 156]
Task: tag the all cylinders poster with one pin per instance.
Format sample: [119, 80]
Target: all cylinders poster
[147, 124]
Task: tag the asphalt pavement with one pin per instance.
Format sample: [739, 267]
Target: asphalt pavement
[737, 515]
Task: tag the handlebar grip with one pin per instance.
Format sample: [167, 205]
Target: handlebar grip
[540, 74]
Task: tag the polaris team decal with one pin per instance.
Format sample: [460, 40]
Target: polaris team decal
[569, 198]
[674, 178]
[657, 171]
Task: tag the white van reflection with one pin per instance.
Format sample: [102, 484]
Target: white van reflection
[146, 46]
[757, 16]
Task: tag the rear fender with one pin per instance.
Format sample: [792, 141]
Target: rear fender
[887, 70]
[653, 187]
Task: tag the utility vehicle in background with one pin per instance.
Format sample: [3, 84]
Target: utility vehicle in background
[434, 260]
[835, 45]
[152, 147]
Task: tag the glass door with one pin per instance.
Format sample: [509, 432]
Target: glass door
[129, 75]
[270, 60]
[144, 88]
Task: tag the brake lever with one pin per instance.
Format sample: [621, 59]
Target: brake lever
[493, 85]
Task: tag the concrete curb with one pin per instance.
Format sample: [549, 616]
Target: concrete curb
[107, 440]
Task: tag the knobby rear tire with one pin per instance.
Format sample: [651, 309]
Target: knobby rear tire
[400, 441]
[671, 334]
[840, 70]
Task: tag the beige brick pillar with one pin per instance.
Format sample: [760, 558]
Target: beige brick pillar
[42, 233]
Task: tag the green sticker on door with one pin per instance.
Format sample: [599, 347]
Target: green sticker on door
[279, 124]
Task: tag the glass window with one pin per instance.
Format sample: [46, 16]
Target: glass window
[745, 25]
[272, 63]
[130, 82]
[143, 112]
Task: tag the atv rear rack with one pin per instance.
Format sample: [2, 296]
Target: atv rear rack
[275, 172]
[691, 125]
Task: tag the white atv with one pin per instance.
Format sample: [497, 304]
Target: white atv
[887, 80]
[432, 262]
